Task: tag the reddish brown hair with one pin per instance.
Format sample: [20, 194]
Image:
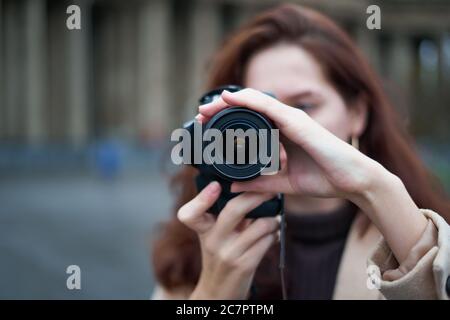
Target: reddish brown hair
[176, 254]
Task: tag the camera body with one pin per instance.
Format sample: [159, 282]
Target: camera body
[235, 118]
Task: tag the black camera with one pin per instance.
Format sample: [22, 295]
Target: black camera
[236, 118]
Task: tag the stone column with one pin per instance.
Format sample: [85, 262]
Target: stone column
[443, 40]
[153, 113]
[204, 37]
[401, 59]
[106, 74]
[400, 65]
[77, 64]
[36, 76]
[2, 80]
[444, 59]
[125, 85]
[13, 70]
[369, 43]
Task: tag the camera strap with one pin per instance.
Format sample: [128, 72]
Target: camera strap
[283, 250]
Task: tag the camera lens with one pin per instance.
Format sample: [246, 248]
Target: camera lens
[231, 120]
[241, 156]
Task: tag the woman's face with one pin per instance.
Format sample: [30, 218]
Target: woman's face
[296, 79]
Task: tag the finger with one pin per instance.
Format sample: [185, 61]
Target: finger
[283, 156]
[210, 109]
[253, 256]
[257, 230]
[201, 118]
[258, 101]
[244, 224]
[278, 183]
[235, 210]
[193, 214]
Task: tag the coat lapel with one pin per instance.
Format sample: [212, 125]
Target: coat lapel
[352, 274]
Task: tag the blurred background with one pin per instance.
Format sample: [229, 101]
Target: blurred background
[85, 117]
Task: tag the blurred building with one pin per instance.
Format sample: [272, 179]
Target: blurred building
[135, 68]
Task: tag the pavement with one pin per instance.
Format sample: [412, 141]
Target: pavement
[105, 226]
[61, 215]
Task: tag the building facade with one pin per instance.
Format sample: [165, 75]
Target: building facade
[135, 68]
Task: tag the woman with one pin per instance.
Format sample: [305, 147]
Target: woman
[352, 181]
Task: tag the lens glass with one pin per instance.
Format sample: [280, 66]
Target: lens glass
[244, 144]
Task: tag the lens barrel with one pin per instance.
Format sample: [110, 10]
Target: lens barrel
[241, 118]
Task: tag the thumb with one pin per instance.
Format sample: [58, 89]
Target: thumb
[193, 213]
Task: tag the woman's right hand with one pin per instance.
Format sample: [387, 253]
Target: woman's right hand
[232, 246]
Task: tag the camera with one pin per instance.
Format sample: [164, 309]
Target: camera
[258, 155]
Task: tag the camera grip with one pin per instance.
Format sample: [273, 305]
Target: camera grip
[269, 208]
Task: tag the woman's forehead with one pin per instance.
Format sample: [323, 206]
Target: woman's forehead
[284, 70]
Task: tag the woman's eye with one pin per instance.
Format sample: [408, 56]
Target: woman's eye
[304, 106]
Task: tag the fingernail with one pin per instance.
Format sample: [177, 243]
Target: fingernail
[278, 217]
[278, 236]
[202, 107]
[197, 116]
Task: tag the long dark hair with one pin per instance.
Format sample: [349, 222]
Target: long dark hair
[176, 253]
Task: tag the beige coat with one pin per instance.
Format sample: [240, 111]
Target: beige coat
[423, 275]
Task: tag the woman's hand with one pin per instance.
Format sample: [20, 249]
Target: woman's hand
[319, 164]
[231, 245]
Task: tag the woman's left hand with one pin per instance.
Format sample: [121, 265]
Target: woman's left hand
[319, 164]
